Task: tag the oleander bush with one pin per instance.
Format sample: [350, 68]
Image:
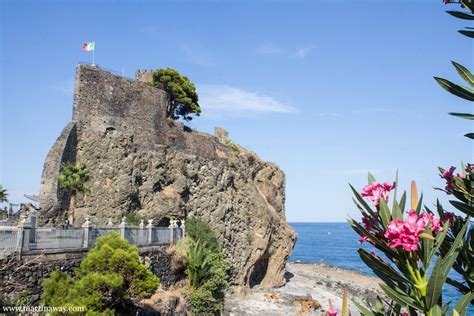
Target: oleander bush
[106, 282]
[418, 249]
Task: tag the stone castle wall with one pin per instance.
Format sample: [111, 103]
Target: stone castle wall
[104, 102]
[63, 151]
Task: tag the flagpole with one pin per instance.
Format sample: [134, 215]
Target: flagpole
[93, 56]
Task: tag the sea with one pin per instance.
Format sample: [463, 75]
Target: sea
[336, 244]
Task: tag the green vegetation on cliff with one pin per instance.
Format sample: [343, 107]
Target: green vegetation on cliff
[107, 280]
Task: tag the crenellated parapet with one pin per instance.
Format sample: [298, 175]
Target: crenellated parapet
[144, 75]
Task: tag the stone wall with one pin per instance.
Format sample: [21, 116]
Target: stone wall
[21, 278]
[52, 199]
[104, 102]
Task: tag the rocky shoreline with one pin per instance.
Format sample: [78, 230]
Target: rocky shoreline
[308, 290]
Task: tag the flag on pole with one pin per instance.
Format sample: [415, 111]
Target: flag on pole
[87, 47]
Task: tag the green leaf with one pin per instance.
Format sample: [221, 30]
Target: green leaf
[396, 211]
[362, 309]
[461, 306]
[461, 15]
[468, 4]
[403, 201]
[467, 33]
[439, 240]
[427, 245]
[463, 207]
[436, 311]
[466, 116]
[371, 178]
[464, 73]
[396, 189]
[435, 284]
[455, 89]
[362, 202]
[441, 269]
[380, 268]
[379, 244]
[401, 297]
[420, 204]
[384, 212]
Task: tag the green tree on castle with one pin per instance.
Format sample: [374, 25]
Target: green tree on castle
[183, 98]
[73, 178]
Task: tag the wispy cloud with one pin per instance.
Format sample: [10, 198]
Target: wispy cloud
[224, 100]
[301, 53]
[269, 48]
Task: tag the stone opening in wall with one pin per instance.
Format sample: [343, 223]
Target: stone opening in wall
[164, 222]
[109, 130]
[259, 271]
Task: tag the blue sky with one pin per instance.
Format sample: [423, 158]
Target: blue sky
[328, 90]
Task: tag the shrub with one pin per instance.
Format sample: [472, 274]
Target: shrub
[197, 229]
[109, 277]
[135, 220]
[205, 267]
[177, 253]
[210, 281]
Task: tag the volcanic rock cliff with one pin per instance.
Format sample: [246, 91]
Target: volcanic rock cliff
[143, 163]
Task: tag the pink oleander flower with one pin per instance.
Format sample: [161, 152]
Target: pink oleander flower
[404, 233]
[434, 221]
[448, 175]
[367, 224]
[377, 191]
[363, 238]
[448, 216]
[332, 312]
[405, 314]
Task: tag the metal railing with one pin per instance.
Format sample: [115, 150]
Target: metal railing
[25, 237]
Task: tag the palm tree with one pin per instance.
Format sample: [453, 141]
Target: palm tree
[73, 178]
[3, 195]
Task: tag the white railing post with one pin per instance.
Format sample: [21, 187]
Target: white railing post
[32, 220]
[87, 233]
[149, 228]
[171, 228]
[183, 228]
[24, 230]
[141, 233]
[109, 223]
[123, 228]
